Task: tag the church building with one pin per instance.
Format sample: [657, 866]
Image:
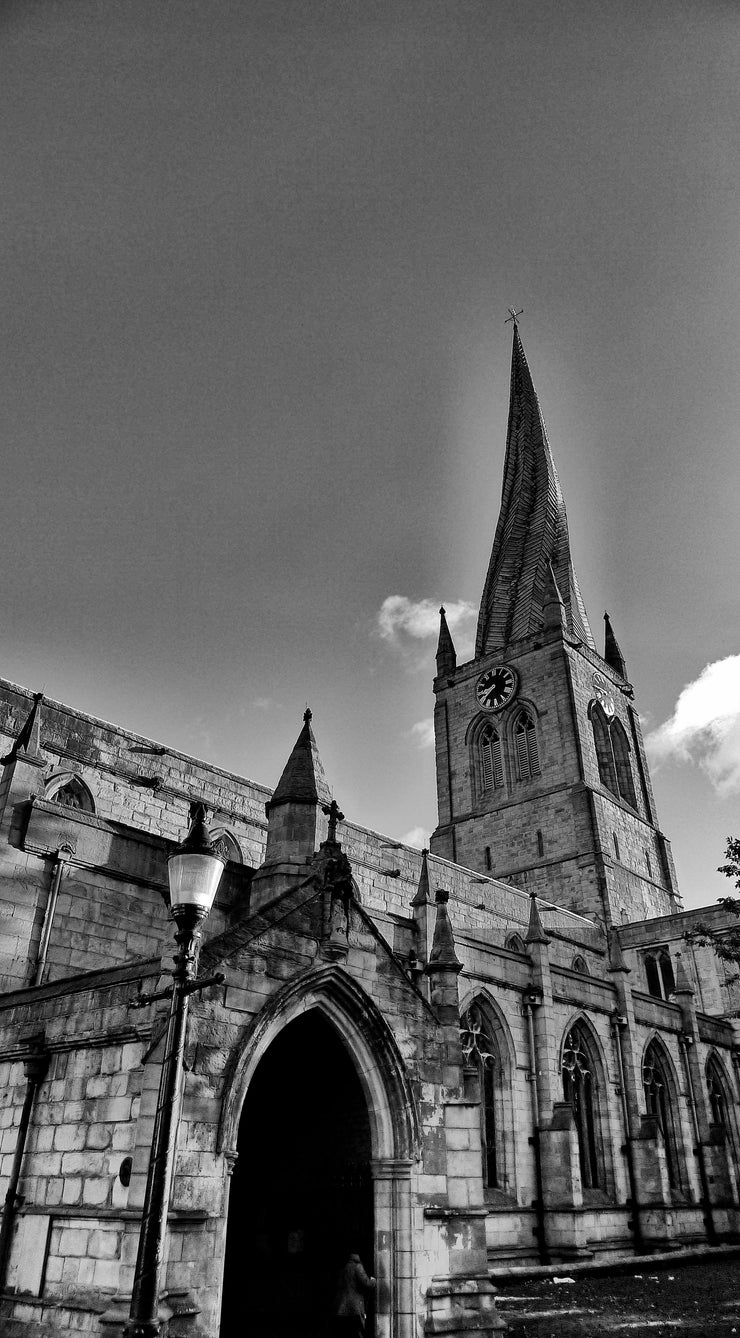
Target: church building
[499, 1051]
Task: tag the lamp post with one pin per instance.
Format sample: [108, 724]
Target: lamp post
[193, 871]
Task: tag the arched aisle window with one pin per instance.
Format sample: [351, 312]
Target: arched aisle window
[490, 759]
[660, 1100]
[71, 792]
[580, 1089]
[720, 1101]
[525, 746]
[226, 845]
[485, 1050]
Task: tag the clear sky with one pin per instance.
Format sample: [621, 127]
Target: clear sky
[254, 372]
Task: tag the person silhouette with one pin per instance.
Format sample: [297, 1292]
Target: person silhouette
[353, 1285]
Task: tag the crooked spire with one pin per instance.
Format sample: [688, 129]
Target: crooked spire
[532, 531]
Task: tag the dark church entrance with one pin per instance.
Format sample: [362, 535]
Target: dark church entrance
[301, 1193]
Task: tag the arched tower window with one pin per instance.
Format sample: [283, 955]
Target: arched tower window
[659, 1102]
[578, 1089]
[70, 792]
[525, 745]
[621, 750]
[604, 754]
[481, 1051]
[490, 759]
[612, 755]
[515, 943]
[579, 965]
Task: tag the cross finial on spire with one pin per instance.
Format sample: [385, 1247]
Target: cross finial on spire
[513, 315]
[332, 812]
[307, 715]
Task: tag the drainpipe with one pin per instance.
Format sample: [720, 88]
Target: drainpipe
[35, 1066]
[60, 859]
[531, 1002]
[685, 1041]
[618, 1023]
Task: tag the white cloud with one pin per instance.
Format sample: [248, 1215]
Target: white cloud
[423, 733]
[404, 622]
[263, 703]
[705, 726]
[418, 837]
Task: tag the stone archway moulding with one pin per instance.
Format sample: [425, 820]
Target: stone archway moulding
[331, 992]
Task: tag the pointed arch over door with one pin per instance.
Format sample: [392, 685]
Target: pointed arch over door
[376, 1106]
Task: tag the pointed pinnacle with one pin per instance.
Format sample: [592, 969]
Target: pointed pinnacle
[616, 956]
[446, 654]
[612, 653]
[683, 984]
[535, 933]
[423, 894]
[443, 955]
[303, 780]
[29, 736]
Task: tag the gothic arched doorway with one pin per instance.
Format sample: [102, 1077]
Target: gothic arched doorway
[301, 1193]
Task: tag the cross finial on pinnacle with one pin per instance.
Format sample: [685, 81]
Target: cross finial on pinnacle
[332, 812]
[513, 315]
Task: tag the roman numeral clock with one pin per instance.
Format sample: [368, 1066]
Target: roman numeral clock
[496, 687]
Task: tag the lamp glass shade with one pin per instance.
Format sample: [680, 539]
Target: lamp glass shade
[193, 878]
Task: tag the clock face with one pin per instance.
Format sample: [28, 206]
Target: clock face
[496, 687]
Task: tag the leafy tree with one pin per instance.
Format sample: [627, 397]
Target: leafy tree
[725, 942]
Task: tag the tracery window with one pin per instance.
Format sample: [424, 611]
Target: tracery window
[490, 759]
[613, 755]
[525, 746]
[226, 845]
[717, 1093]
[515, 943]
[70, 792]
[481, 1051]
[661, 981]
[579, 964]
[578, 1089]
[658, 1103]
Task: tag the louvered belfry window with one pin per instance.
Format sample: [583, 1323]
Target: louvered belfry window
[491, 760]
[525, 743]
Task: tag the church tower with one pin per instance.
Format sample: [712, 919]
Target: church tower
[542, 778]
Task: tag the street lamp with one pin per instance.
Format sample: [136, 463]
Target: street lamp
[193, 873]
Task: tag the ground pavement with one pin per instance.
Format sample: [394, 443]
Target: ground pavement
[688, 1298]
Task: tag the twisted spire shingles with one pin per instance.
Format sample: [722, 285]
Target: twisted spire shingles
[532, 530]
